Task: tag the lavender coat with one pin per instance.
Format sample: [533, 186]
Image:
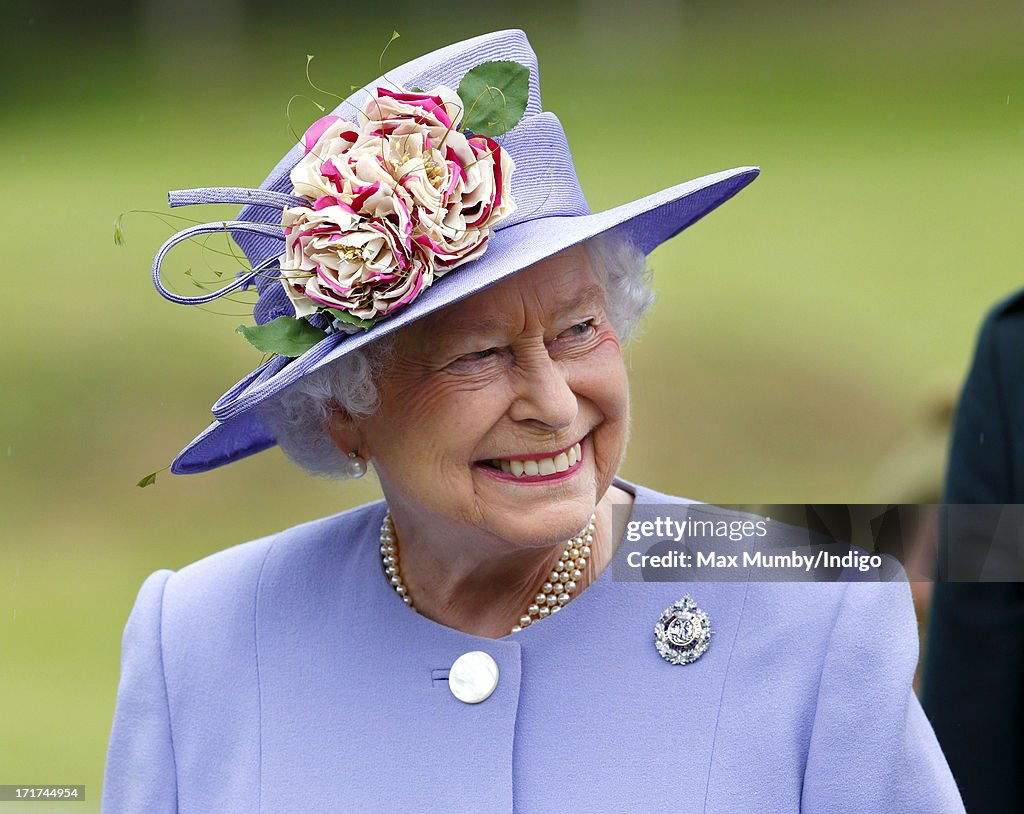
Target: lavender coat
[285, 675]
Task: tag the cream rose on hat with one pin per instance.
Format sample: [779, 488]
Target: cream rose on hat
[397, 200]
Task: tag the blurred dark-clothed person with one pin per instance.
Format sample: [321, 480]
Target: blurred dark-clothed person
[973, 685]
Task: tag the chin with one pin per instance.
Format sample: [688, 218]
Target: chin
[552, 523]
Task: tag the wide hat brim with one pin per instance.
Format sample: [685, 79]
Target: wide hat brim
[238, 431]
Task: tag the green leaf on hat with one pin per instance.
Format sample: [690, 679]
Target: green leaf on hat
[345, 316]
[285, 336]
[494, 95]
[149, 480]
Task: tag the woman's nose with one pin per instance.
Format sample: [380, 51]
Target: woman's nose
[543, 393]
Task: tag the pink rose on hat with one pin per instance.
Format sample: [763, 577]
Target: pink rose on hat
[397, 199]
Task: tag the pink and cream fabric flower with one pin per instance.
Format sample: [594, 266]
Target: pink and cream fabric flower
[396, 201]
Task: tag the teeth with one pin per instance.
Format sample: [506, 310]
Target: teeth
[542, 466]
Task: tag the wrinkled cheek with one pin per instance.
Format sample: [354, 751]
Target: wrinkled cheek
[621, 382]
[613, 434]
[618, 396]
[421, 473]
[614, 396]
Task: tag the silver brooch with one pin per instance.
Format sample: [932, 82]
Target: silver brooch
[683, 632]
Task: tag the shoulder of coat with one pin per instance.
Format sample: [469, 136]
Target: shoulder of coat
[238, 569]
[1009, 305]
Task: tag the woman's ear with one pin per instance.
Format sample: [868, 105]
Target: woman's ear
[344, 431]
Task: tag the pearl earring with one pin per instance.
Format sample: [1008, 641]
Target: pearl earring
[355, 466]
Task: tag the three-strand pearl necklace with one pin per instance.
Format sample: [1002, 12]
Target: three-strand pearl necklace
[556, 591]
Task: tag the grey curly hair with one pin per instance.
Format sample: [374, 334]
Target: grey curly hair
[298, 417]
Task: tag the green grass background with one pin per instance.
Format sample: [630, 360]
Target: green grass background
[804, 333]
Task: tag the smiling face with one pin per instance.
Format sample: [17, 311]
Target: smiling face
[504, 415]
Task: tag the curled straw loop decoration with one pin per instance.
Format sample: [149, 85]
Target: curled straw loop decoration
[236, 195]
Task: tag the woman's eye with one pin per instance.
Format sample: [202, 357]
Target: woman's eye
[580, 329]
[477, 355]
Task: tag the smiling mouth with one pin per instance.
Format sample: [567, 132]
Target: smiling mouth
[533, 466]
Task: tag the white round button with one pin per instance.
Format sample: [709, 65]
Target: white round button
[473, 677]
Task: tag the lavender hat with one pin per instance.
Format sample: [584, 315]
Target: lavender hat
[550, 214]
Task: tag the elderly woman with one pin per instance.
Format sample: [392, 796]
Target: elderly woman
[445, 307]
